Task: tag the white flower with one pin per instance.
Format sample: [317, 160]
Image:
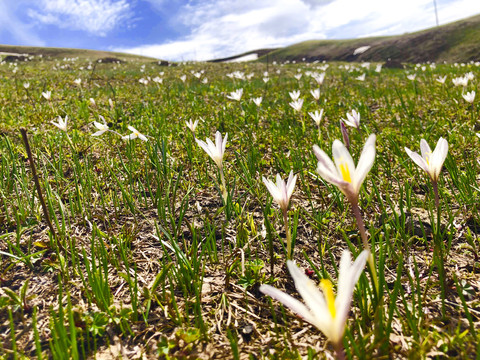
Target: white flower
[343, 172]
[295, 95]
[315, 93]
[101, 127]
[183, 78]
[135, 134]
[281, 192]
[236, 95]
[217, 150]
[460, 81]
[265, 79]
[157, 79]
[297, 105]
[353, 119]
[431, 162]
[78, 81]
[316, 116]
[62, 124]
[298, 76]
[257, 101]
[92, 102]
[47, 94]
[469, 96]
[322, 309]
[378, 68]
[192, 125]
[411, 77]
[361, 77]
[319, 78]
[441, 80]
[26, 84]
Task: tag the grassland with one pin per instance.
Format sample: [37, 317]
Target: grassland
[146, 259]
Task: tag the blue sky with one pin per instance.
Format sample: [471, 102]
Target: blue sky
[206, 29]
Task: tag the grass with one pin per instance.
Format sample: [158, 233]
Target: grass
[147, 258]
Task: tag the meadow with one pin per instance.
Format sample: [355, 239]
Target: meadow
[144, 242]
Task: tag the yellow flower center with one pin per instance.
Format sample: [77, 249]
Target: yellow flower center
[327, 288]
[427, 158]
[345, 172]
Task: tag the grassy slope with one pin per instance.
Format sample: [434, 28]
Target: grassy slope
[69, 53]
[454, 42]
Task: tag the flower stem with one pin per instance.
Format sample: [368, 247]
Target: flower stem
[339, 351]
[289, 236]
[223, 186]
[438, 253]
[366, 245]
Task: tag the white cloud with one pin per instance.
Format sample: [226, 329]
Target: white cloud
[220, 28]
[97, 17]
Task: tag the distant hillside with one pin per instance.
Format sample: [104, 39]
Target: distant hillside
[60, 53]
[455, 42]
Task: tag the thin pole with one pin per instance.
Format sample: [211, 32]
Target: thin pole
[436, 12]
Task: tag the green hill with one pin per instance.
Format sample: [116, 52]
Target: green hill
[60, 53]
[454, 42]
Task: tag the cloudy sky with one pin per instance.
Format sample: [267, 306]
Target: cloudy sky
[207, 29]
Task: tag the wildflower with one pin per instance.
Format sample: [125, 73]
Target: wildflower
[297, 105]
[361, 77]
[322, 309]
[157, 79]
[217, 150]
[236, 95]
[183, 78]
[47, 94]
[353, 119]
[441, 79]
[429, 161]
[460, 81]
[135, 134]
[281, 192]
[298, 76]
[101, 127]
[315, 93]
[92, 102]
[26, 84]
[469, 96]
[62, 124]
[295, 95]
[343, 172]
[378, 69]
[316, 116]
[411, 77]
[192, 125]
[265, 79]
[78, 81]
[257, 101]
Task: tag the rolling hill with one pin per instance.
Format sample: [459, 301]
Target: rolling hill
[454, 42]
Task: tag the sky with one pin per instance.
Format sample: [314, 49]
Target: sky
[181, 30]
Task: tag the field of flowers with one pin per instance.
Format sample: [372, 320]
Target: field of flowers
[239, 211]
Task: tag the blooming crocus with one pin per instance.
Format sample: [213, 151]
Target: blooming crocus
[216, 152]
[61, 124]
[429, 161]
[297, 105]
[469, 96]
[192, 125]
[26, 84]
[411, 77]
[135, 134]
[183, 78]
[441, 79]
[236, 95]
[361, 77]
[322, 309]
[101, 127]
[460, 81]
[281, 192]
[47, 94]
[257, 101]
[378, 69]
[343, 172]
[353, 119]
[315, 93]
[316, 116]
[78, 81]
[295, 95]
